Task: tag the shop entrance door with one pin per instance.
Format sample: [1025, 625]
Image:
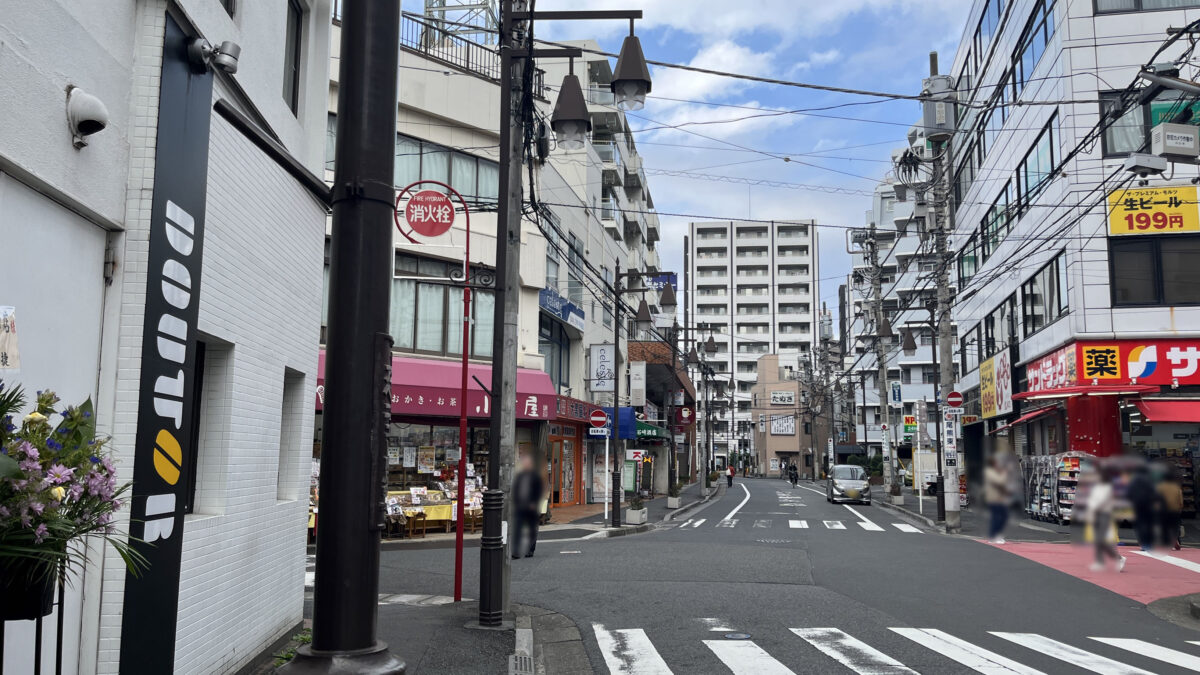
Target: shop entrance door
[564, 473]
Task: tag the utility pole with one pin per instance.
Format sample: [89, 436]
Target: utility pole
[617, 443]
[493, 562]
[359, 354]
[882, 330]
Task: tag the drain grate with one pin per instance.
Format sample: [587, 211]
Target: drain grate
[520, 664]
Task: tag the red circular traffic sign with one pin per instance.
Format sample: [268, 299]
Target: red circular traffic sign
[429, 213]
[954, 399]
[598, 418]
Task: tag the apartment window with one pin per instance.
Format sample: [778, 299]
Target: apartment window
[574, 288]
[555, 347]
[293, 43]
[230, 6]
[1044, 296]
[1105, 6]
[1162, 270]
[427, 316]
[1033, 42]
[1038, 165]
[607, 309]
[1129, 132]
[969, 350]
[472, 176]
[968, 260]
[552, 274]
[330, 141]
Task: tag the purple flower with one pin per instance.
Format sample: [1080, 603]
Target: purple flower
[104, 519]
[59, 474]
[30, 466]
[40, 533]
[20, 484]
[4, 512]
[53, 444]
[27, 448]
[26, 519]
[37, 507]
[75, 491]
[94, 459]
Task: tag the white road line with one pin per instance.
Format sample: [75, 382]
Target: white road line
[700, 522]
[1151, 650]
[798, 524]
[1193, 642]
[820, 492]
[834, 525]
[629, 652]
[1178, 562]
[866, 522]
[1072, 655]
[762, 523]
[976, 658]
[727, 523]
[855, 654]
[739, 506]
[686, 523]
[905, 527]
[715, 625]
[745, 657]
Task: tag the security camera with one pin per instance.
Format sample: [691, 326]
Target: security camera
[1144, 165]
[86, 115]
[202, 55]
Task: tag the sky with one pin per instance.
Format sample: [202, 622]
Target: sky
[878, 45]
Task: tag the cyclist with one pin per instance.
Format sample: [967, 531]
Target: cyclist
[793, 474]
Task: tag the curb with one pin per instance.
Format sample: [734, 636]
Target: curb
[691, 506]
[625, 530]
[547, 643]
[912, 517]
[1194, 608]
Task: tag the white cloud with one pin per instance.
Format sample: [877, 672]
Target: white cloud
[722, 55]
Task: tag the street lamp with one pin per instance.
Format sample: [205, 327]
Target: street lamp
[571, 121]
[908, 344]
[631, 79]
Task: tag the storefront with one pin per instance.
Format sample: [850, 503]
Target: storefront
[422, 442]
[569, 466]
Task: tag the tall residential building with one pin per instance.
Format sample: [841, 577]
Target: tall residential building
[753, 286]
[1077, 308]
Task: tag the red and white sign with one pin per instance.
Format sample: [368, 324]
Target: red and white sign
[1053, 371]
[598, 418]
[685, 415]
[429, 213]
[634, 455]
[954, 399]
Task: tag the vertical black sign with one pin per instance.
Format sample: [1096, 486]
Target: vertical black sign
[163, 454]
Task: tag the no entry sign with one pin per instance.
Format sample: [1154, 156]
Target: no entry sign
[954, 399]
[598, 418]
[429, 213]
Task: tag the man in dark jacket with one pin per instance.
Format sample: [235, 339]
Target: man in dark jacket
[527, 497]
[1144, 498]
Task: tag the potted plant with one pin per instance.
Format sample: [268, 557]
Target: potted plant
[673, 496]
[57, 486]
[636, 513]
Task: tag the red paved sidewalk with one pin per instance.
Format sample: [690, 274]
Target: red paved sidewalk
[1146, 578]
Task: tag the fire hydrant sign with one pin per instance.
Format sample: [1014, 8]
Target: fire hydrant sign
[429, 213]
[1165, 210]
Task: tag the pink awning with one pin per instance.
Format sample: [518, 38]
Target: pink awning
[431, 387]
[1167, 410]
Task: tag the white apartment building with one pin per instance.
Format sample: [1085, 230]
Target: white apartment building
[601, 215]
[86, 225]
[754, 288]
[908, 286]
[1076, 308]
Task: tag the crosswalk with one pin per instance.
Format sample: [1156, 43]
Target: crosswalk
[631, 651]
[693, 524]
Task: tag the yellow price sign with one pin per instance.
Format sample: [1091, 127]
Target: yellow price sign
[1165, 210]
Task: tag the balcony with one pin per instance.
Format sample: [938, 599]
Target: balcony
[608, 217]
[441, 46]
[652, 232]
[634, 178]
[610, 162]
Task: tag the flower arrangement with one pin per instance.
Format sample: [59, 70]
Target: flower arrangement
[57, 485]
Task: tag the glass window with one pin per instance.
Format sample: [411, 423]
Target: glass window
[431, 317]
[404, 307]
[408, 161]
[330, 141]
[435, 164]
[462, 174]
[552, 274]
[484, 309]
[293, 43]
[489, 180]
[844, 472]
[1180, 270]
[454, 312]
[1134, 273]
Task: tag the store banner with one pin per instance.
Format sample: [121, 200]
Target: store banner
[1052, 371]
[1158, 210]
[602, 367]
[560, 308]
[783, 398]
[995, 386]
[637, 383]
[1164, 362]
[163, 453]
[987, 389]
[783, 425]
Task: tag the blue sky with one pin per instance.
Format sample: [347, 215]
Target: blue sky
[880, 45]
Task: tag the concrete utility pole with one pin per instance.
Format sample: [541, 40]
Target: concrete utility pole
[493, 563]
[882, 330]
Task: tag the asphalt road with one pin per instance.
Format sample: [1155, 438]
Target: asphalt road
[819, 588]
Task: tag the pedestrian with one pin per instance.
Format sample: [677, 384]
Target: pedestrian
[528, 489]
[1171, 492]
[1099, 516]
[1144, 498]
[996, 493]
[793, 475]
[732, 472]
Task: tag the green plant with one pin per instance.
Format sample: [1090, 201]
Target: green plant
[713, 476]
[57, 485]
[635, 503]
[674, 490]
[302, 638]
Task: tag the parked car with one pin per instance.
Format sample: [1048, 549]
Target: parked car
[848, 483]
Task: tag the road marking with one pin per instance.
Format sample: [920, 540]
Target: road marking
[801, 524]
[565, 552]
[834, 525]
[629, 651]
[804, 487]
[1148, 649]
[715, 625]
[699, 522]
[1072, 655]
[969, 655]
[686, 523]
[866, 523]
[856, 655]
[743, 656]
[739, 506]
[904, 527]
[1178, 562]
[762, 523]
[727, 523]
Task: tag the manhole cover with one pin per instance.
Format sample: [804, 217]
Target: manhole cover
[737, 636]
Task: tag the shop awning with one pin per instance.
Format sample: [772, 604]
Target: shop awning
[1026, 418]
[1166, 410]
[645, 430]
[432, 388]
[1088, 390]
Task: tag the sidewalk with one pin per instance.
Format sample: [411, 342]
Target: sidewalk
[656, 509]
